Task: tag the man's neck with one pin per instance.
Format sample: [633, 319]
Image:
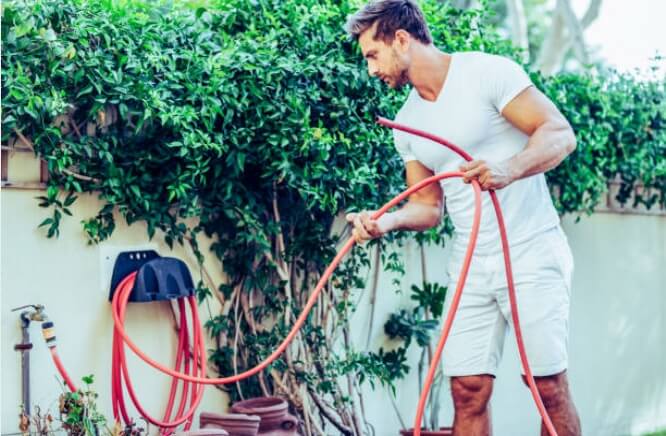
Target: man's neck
[428, 71]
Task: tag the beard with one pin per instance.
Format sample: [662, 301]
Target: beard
[401, 79]
[397, 81]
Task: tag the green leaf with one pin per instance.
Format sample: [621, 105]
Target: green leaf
[50, 35]
[135, 190]
[87, 90]
[70, 200]
[24, 28]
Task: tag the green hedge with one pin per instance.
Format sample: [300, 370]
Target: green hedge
[620, 125]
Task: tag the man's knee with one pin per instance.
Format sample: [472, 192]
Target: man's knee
[553, 389]
[471, 393]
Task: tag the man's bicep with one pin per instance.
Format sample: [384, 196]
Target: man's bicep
[432, 194]
[530, 109]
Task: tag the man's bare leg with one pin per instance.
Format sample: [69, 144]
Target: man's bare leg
[554, 391]
[471, 395]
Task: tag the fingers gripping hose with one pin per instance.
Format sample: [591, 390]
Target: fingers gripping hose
[197, 375]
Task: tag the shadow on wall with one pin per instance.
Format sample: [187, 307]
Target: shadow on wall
[618, 331]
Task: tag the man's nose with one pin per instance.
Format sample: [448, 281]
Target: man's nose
[372, 70]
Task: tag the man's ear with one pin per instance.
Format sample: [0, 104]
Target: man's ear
[402, 40]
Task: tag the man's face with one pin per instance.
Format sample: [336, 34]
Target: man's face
[388, 62]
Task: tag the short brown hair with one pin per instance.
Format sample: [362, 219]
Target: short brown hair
[390, 15]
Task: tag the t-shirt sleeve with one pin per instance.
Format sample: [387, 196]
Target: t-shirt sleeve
[505, 79]
[402, 145]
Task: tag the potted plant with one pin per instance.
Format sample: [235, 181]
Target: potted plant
[79, 414]
[417, 325]
[78, 411]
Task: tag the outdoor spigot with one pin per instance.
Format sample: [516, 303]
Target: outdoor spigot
[37, 314]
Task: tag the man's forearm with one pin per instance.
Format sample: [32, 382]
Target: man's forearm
[412, 216]
[546, 148]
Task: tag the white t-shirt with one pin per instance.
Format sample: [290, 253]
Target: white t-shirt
[467, 112]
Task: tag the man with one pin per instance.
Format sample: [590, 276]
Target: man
[487, 105]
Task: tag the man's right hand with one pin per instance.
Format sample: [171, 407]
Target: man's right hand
[422, 211]
[366, 228]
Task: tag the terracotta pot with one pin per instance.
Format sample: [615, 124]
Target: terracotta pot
[236, 424]
[443, 431]
[274, 413]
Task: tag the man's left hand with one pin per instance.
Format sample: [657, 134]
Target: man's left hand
[490, 175]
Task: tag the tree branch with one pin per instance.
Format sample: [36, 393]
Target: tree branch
[234, 359]
[373, 293]
[519, 26]
[345, 430]
[558, 42]
[575, 29]
[206, 275]
[350, 385]
[77, 176]
[249, 318]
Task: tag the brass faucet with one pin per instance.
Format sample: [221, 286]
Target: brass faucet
[37, 314]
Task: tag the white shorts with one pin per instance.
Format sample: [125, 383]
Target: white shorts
[542, 270]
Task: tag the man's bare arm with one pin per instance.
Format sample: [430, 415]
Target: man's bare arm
[551, 139]
[422, 211]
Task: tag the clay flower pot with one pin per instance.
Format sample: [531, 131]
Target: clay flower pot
[274, 413]
[236, 424]
[443, 431]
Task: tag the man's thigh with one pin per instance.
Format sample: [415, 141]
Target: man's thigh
[475, 343]
[542, 274]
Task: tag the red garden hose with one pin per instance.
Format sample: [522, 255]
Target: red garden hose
[194, 375]
[119, 371]
[61, 370]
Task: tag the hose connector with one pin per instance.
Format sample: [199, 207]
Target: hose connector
[48, 331]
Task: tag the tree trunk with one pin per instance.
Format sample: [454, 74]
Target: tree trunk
[518, 24]
[565, 31]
